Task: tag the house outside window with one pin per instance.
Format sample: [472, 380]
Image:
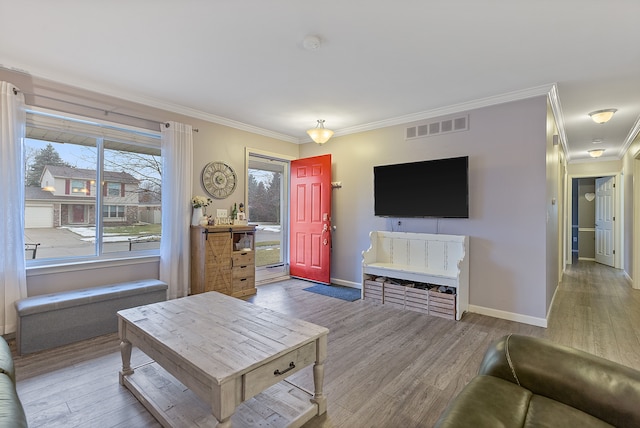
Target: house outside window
[113, 189]
[113, 211]
[78, 186]
[93, 189]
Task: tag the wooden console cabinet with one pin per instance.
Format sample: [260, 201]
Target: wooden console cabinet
[220, 262]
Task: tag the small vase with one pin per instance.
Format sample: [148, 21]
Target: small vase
[197, 215]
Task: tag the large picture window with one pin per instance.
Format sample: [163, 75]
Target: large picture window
[92, 189]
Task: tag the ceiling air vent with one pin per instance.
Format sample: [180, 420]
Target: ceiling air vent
[439, 127]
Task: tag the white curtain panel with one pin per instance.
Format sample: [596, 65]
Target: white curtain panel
[177, 179]
[13, 281]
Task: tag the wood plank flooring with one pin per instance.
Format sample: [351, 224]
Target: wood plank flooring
[386, 367]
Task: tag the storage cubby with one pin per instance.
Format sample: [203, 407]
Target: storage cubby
[412, 269]
[410, 296]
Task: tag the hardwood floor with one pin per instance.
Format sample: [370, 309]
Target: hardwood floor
[386, 367]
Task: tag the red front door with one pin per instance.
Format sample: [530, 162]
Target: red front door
[310, 216]
[78, 214]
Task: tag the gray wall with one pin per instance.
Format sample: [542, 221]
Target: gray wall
[513, 224]
[629, 162]
[211, 142]
[509, 202]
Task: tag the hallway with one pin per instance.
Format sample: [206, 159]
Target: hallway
[596, 310]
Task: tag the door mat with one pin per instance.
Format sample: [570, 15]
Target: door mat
[344, 293]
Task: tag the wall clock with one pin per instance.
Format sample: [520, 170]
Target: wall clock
[219, 179]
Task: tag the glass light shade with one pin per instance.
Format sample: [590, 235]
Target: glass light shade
[596, 153]
[602, 116]
[320, 134]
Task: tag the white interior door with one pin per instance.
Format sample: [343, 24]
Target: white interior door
[604, 220]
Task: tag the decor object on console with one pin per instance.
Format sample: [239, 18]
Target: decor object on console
[419, 257]
[198, 203]
[527, 381]
[320, 134]
[218, 265]
[219, 179]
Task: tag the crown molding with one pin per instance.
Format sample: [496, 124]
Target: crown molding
[156, 103]
[549, 90]
[452, 109]
[197, 114]
[635, 130]
[556, 108]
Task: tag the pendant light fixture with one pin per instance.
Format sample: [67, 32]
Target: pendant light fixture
[320, 134]
[602, 116]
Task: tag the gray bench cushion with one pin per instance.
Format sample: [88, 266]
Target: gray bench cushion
[67, 299]
[57, 319]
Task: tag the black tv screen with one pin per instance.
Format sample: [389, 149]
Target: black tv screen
[432, 188]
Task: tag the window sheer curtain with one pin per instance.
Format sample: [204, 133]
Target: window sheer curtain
[13, 281]
[177, 170]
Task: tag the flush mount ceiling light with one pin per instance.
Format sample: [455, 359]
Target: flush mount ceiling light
[596, 153]
[320, 134]
[602, 116]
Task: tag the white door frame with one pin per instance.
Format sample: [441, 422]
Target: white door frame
[264, 276]
[635, 281]
[618, 210]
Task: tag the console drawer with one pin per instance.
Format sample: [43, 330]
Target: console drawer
[243, 258]
[264, 376]
[244, 271]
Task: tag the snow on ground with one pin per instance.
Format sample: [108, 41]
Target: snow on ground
[88, 234]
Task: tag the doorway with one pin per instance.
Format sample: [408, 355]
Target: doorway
[77, 214]
[594, 234]
[267, 209]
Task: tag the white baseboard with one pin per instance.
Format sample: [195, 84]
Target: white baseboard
[629, 280]
[344, 283]
[553, 299]
[510, 316]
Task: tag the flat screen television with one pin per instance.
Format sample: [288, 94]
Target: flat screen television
[432, 188]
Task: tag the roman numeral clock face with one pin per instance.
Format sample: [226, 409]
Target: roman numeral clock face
[219, 179]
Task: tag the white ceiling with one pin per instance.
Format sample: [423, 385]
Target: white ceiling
[380, 61]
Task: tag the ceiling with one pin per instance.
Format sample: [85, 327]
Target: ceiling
[243, 63]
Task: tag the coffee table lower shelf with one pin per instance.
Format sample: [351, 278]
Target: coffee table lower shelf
[175, 406]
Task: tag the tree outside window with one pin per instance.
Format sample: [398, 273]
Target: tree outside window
[67, 211]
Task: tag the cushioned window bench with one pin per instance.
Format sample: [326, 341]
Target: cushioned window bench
[57, 319]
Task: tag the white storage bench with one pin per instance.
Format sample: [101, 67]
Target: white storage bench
[425, 258]
[57, 319]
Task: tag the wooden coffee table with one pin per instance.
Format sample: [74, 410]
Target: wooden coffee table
[225, 351]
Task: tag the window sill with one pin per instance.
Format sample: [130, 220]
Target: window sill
[80, 265]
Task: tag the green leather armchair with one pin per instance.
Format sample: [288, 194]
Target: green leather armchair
[11, 411]
[530, 382]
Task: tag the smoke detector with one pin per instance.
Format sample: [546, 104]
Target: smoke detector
[311, 43]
